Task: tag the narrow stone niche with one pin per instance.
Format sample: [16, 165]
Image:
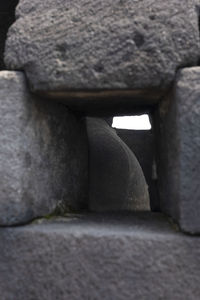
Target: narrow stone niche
[139, 135]
[122, 168]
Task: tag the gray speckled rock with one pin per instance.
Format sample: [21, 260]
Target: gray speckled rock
[116, 180]
[119, 258]
[91, 45]
[179, 151]
[43, 154]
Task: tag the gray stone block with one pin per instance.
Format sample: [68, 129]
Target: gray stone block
[179, 149]
[116, 180]
[103, 257]
[142, 144]
[43, 154]
[102, 45]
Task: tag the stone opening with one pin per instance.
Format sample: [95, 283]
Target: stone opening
[104, 155]
[135, 122]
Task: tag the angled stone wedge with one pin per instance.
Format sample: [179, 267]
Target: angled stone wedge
[116, 180]
[43, 154]
[97, 45]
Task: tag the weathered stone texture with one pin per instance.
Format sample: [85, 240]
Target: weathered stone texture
[43, 154]
[179, 149]
[142, 144]
[77, 45]
[131, 257]
[116, 180]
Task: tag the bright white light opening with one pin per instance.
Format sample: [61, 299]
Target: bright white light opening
[132, 122]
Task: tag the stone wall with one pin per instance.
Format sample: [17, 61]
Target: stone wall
[68, 60]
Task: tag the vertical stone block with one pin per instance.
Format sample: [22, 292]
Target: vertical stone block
[179, 151]
[43, 154]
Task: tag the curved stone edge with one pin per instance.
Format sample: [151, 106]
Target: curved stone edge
[116, 180]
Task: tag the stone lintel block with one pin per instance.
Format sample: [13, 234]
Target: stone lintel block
[179, 151]
[43, 154]
[70, 46]
[136, 256]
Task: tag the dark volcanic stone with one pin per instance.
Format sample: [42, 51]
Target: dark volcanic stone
[103, 45]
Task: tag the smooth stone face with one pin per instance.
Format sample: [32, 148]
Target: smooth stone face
[103, 45]
[179, 149]
[142, 144]
[116, 180]
[103, 257]
[43, 154]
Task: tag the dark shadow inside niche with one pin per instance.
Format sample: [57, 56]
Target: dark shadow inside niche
[7, 17]
[137, 132]
[141, 141]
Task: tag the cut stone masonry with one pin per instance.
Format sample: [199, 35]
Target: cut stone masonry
[43, 154]
[99, 257]
[179, 151]
[67, 60]
[70, 48]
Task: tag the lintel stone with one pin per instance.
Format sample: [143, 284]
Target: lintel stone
[71, 48]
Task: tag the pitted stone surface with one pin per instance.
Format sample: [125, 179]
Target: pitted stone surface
[103, 45]
[103, 257]
[179, 161]
[116, 180]
[43, 154]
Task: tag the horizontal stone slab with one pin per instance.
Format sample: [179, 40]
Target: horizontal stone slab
[43, 154]
[103, 45]
[179, 151]
[136, 256]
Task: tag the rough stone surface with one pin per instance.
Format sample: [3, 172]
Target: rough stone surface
[43, 154]
[130, 257]
[7, 17]
[179, 148]
[116, 180]
[142, 144]
[77, 45]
